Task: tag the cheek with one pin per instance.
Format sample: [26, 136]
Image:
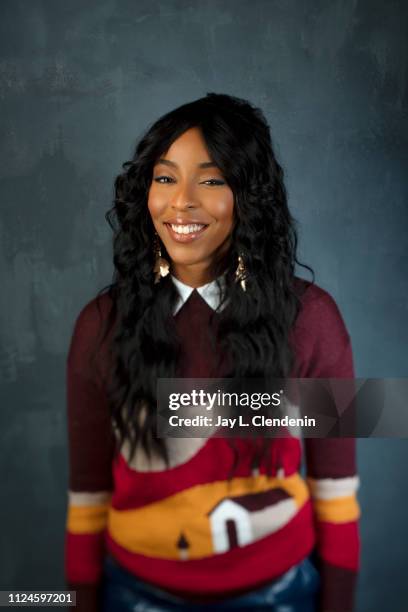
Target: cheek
[223, 210]
[155, 204]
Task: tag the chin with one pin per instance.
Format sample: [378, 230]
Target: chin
[187, 261]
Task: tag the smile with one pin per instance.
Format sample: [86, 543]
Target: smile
[185, 232]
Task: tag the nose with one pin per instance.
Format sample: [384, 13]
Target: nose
[183, 199]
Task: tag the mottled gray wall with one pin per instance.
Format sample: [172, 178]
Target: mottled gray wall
[79, 81]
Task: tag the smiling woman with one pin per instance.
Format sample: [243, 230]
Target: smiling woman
[204, 287]
[191, 208]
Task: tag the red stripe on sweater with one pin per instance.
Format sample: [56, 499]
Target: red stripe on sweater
[339, 544]
[212, 463]
[83, 554]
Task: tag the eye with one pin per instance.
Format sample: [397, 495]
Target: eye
[160, 179]
[215, 181]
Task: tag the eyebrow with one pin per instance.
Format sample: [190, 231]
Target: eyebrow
[167, 162]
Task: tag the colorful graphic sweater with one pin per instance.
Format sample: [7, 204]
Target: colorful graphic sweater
[192, 529]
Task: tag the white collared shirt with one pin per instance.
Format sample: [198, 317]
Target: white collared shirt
[209, 292]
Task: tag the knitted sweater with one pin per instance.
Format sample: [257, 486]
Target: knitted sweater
[190, 528]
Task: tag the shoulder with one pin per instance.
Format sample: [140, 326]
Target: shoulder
[94, 312]
[317, 306]
[92, 317]
[320, 334]
[90, 333]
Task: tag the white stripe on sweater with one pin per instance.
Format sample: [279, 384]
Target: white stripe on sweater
[330, 488]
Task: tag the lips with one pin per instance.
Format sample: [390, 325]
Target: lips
[180, 234]
[184, 221]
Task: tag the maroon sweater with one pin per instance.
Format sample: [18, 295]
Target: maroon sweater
[163, 525]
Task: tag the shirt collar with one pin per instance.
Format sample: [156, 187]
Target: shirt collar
[209, 292]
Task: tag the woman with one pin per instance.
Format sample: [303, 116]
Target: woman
[204, 286]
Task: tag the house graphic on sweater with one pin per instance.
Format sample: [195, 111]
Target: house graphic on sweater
[237, 521]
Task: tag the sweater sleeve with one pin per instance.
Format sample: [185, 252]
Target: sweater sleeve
[331, 469]
[90, 446]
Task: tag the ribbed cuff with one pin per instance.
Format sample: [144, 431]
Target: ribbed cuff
[338, 586]
[88, 597]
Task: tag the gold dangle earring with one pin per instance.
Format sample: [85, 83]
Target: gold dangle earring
[161, 265]
[240, 273]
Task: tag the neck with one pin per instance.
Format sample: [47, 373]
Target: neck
[203, 272]
[195, 275]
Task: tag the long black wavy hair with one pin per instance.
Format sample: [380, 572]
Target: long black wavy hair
[253, 326]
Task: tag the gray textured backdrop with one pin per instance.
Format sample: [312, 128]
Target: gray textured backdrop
[79, 82]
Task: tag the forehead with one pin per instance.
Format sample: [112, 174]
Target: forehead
[190, 143]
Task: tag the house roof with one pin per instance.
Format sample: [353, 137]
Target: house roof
[256, 501]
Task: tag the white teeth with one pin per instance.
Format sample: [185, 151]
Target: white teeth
[186, 229]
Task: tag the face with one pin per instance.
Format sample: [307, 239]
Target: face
[191, 204]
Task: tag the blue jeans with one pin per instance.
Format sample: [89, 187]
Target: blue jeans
[294, 591]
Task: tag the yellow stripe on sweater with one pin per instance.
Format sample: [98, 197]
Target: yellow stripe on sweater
[338, 510]
[155, 530]
[87, 519]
